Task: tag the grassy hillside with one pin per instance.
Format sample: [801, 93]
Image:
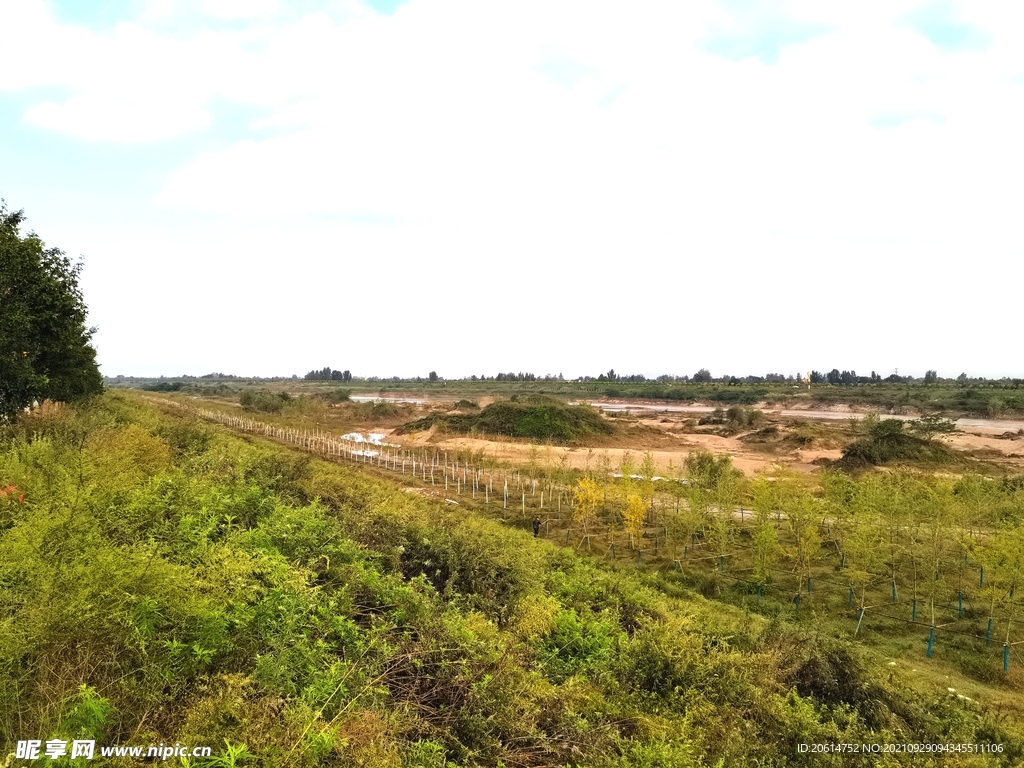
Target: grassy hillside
[164, 580]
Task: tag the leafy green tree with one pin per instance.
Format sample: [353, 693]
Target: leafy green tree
[931, 425]
[45, 349]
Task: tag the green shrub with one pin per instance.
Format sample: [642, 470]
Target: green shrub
[886, 442]
[705, 470]
[536, 417]
[263, 401]
[339, 396]
[578, 644]
[164, 386]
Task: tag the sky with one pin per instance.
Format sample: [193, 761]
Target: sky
[393, 187]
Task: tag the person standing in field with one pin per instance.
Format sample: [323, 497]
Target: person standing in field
[536, 526]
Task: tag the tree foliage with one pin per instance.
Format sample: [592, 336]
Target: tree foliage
[931, 425]
[45, 349]
[706, 471]
[587, 498]
[327, 374]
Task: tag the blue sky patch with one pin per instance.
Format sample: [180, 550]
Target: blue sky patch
[99, 15]
[939, 22]
[385, 7]
[106, 179]
[758, 30]
[891, 120]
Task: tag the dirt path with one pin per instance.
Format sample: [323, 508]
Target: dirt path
[747, 461]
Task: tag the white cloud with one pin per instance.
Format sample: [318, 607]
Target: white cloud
[127, 118]
[241, 9]
[641, 174]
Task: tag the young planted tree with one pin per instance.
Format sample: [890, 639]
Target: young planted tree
[937, 547]
[722, 522]
[975, 499]
[587, 499]
[684, 525]
[627, 467]
[765, 539]
[919, 508]
[840, 496]
[706, 477]
[634, 512]
[863, 547]
[634, 515]
[803, 516]
[604, 464]
[997, 561]
[533, 461]
[648, 471]
[1009, 549]
[889, 501]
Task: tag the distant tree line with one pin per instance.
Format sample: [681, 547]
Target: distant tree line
[836, 377]
[214, 376]
[517, 377]
[703, 376]
[326, 374]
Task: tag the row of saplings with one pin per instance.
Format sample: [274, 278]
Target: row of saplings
[946, 552]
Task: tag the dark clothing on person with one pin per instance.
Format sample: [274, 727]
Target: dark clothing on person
[536, 526]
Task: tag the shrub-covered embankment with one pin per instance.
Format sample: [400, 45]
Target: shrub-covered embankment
[535, 417]
[162, 580]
